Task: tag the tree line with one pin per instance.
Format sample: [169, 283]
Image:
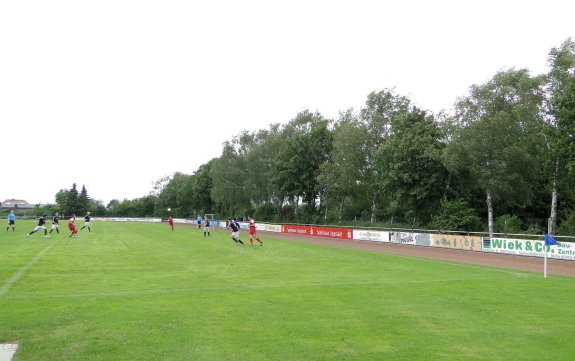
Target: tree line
[502, 160]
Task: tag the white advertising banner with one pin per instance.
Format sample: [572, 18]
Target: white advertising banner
[272, 228]
[259, 226]
[128, 219]
[373, 236]
[524, 247]
[417, 239]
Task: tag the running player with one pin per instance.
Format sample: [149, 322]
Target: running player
[72, 226]
[55, 224]
[235, 226]
[86, 222]
[41, 225]
[253, 235]
[171, 222]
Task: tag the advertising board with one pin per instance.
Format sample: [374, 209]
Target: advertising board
[525, 247]
[455, 241]
[372, 236]
[331, 232]
[272, 228]
[417, 239]
[288, 228]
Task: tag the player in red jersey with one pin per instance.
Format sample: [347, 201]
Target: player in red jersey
[171, 222]
[253, 235]
[72, 226]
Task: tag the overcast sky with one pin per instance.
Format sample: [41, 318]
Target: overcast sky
[115, 95]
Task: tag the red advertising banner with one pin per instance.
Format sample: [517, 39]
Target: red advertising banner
[344, 233]
[303, 230]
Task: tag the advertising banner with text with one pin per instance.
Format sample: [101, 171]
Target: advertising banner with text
[469, 243]
[120, 219]
[344, 233]
[272, 228]
[303, 230]
[524, 247]
[417, 239]
[332, 232]
[372, 236]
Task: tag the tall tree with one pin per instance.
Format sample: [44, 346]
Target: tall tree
[228, 173]
[67, 200]
[83, 201]
[341, 177]
[410, 168]
[196, 194]
[561, 78]
[295, 170]
[499, 143]
[159, 185]
[169, 195]
[259, 150]
[380, 108]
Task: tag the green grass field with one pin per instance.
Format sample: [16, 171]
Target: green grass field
[133, 291]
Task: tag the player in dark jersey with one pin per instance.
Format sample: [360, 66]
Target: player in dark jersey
[207, 227]
[41, 225]
[235, 226]
[86, 222]
[55, 224]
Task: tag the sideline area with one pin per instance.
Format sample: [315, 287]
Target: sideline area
[532, 264]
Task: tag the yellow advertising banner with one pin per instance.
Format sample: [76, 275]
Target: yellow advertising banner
[469, 243]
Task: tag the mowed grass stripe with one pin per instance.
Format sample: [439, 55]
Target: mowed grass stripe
[140, 291]
[160, 291]
[21, 271]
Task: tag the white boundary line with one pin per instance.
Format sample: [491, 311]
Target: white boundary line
[7, 351]
[21, 271]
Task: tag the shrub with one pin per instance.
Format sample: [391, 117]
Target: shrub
[455, 215]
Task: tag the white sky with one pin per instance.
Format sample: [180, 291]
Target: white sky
[115, 94]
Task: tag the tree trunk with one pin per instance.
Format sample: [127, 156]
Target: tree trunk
[281, 207]
[447, 185]
[489, 213]
[373, 210]
[552, 223]
[325, 215]
[341, 207]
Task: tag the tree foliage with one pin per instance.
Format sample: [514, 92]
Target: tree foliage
[498, 161]
[499, 140]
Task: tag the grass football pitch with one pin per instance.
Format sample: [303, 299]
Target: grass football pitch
[138, 291]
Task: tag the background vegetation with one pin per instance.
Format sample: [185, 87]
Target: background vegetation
[503, 159]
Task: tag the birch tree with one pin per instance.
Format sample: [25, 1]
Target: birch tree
[499, 142]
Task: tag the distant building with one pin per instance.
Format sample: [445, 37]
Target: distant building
[16, 204]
